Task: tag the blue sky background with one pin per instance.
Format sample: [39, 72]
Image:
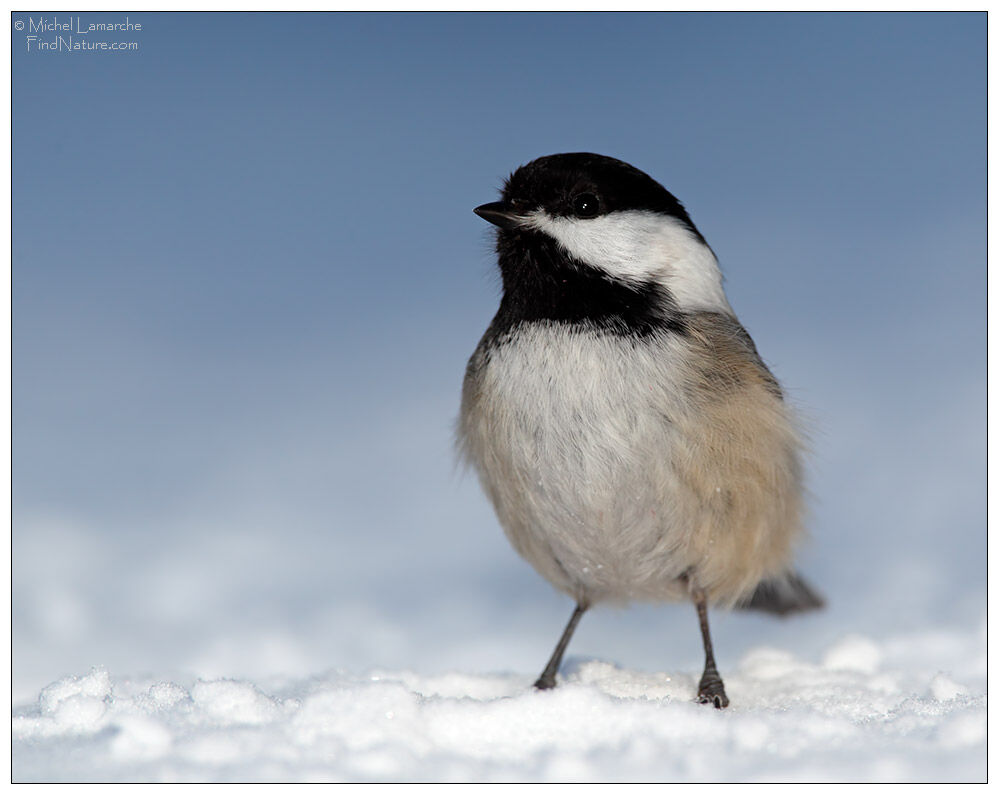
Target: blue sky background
[246, 278]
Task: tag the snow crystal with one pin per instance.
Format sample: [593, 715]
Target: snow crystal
[943, 688]
[228, 702]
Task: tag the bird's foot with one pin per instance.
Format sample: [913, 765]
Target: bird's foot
[545, 682]
[711, 690]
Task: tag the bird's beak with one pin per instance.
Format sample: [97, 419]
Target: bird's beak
[499, 213]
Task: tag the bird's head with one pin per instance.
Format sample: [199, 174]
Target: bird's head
[605, 216]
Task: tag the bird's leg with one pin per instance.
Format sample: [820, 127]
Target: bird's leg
[547, 679]
[711, 690]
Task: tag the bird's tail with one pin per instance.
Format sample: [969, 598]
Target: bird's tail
[787, 593]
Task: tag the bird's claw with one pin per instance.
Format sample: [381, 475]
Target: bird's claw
[711, 690]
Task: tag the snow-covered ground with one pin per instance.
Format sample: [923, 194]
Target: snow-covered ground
[902, 709]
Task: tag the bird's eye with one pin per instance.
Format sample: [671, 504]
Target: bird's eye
[585, 205]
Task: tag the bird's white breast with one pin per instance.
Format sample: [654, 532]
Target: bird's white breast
[618, 465]
[571, 435]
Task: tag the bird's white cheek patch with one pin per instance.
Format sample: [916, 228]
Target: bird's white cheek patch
[642, 246]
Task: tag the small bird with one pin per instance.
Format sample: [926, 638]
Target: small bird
[632, 442]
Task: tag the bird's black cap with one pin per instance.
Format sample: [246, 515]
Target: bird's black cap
[581, 184]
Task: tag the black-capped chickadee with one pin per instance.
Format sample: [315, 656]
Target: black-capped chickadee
[631, 440]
